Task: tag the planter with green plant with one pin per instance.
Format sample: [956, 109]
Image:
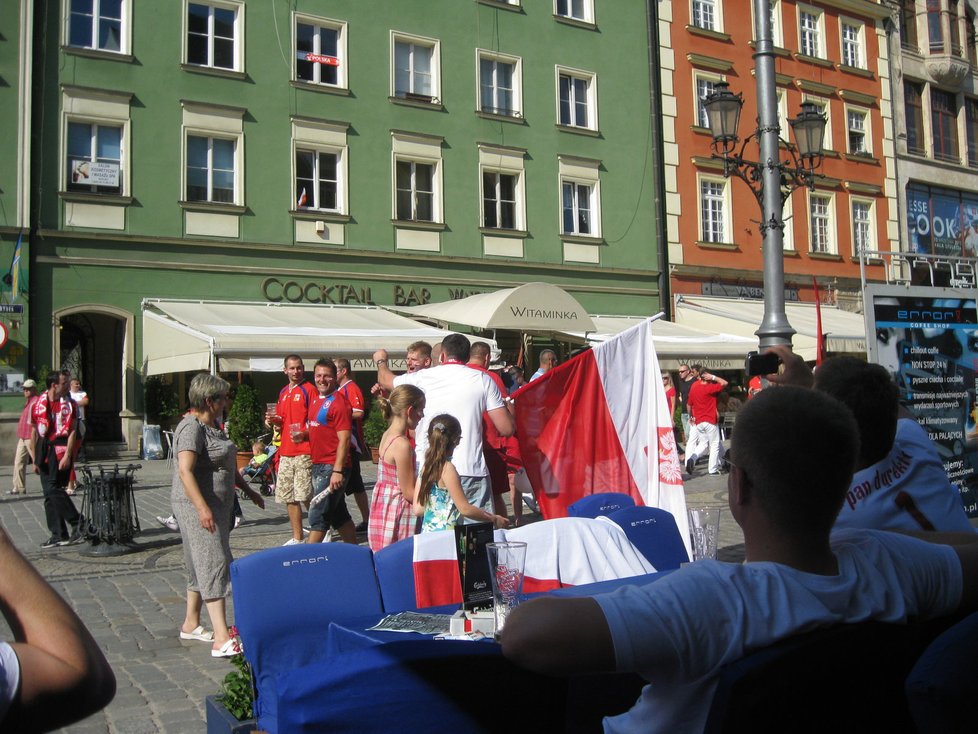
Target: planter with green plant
[232, 710]
[246, 420]
[373, 430]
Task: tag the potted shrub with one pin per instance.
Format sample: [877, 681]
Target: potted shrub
[246, 421]
[162, 402]
[373, 430]
[231, 710]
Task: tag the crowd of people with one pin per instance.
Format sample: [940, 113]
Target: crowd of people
[821, 469]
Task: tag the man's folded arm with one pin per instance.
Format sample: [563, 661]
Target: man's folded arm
[559, 637]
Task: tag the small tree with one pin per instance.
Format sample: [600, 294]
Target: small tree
[162, 402]
[246, 417]
[374, 426]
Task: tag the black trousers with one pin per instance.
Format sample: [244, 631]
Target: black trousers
[58, 507]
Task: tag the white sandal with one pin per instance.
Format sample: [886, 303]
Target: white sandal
[229, 649]
[199, 633]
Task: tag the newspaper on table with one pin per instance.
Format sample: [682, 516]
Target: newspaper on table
[423, 624]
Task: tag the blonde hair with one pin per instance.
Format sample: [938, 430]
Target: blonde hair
[444, 433]
[401, 398]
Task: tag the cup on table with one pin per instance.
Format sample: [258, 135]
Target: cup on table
[506, 562]
[704, 528]
[295, 429]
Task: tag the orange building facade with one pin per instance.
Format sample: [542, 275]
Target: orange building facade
[831, 53]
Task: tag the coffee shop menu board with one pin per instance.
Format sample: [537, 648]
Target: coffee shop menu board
[473, 564]
[928, 339]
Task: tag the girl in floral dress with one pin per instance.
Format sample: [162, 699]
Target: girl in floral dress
[391, 518]
[439, 497]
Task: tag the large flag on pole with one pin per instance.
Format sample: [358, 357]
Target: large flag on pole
[600, 423]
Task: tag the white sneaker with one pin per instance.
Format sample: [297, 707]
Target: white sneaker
[170, 523]
[292, 541]
[237, 520]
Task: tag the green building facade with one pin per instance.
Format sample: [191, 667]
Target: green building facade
[324, 152]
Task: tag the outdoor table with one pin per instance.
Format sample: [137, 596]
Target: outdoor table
[372, 679]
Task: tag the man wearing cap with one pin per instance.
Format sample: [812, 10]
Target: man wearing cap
[25, 446]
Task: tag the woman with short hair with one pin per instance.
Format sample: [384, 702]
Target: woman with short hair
[202, 495]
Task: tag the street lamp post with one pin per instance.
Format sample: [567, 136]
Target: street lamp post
[770, 179]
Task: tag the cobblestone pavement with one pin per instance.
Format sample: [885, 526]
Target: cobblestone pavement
[134, 603]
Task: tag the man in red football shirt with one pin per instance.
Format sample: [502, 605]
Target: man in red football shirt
[703, 415]
[330, 426]
[294, 483]
[354, 397]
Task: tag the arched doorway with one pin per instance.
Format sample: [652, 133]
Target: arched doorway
[94, 343]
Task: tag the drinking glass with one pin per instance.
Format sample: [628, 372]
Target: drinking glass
[506, 561]
[704, 527]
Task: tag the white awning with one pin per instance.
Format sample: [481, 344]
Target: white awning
[532, 307]
[844, 331]
[675, 344]
[181, 336]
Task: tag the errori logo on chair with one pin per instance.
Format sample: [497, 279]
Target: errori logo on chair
[300, 561]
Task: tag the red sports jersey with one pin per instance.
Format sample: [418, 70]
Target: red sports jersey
[327, 415]
[293, 407]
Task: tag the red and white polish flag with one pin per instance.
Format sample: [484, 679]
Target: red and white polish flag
[600, 422]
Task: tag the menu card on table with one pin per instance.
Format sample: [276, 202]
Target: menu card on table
[473, 564]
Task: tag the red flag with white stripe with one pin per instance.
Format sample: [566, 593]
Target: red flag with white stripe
[600, 422]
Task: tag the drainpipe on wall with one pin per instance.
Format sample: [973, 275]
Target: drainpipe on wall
[658, 170]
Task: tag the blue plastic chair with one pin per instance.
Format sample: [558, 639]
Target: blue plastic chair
[602, 503]
[284, 598]
[655, 533]
[395, 573]
[941, 683]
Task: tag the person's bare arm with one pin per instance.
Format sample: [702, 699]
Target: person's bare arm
[559, 637]
[64, 676]
[342, 451]
[400, 451]
[385, 378]
[69, 456]
[502, 419]
[452, 482]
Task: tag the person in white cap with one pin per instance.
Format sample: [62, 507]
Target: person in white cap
[24, 451]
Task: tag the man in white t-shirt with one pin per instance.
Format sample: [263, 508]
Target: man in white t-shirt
[453, 388]
[792, 459]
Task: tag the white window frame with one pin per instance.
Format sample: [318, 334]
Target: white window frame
[342, 72]
[725, 214]
[506, 162]
[587, 10]
[591, 93]
[870, 222]
[716, 10]
[314, 136]
[824, 106]
[698, 109]
[579, 172]
[125, 28]
[239, 10]
[787, 217]
[819, 30]
[777, 26]
[419, 41]
[831, 233]
[859, 44]
[407, 148]
[864, 114]
[517, 63]
[211, 122]
[94, 107]
[782, 97]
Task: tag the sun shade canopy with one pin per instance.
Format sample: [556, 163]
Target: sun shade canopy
[844, 331]
[533, 307]
[182, 336]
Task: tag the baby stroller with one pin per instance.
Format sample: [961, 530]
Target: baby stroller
[263, 476]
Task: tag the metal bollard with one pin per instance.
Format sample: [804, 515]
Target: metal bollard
[109, 509]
